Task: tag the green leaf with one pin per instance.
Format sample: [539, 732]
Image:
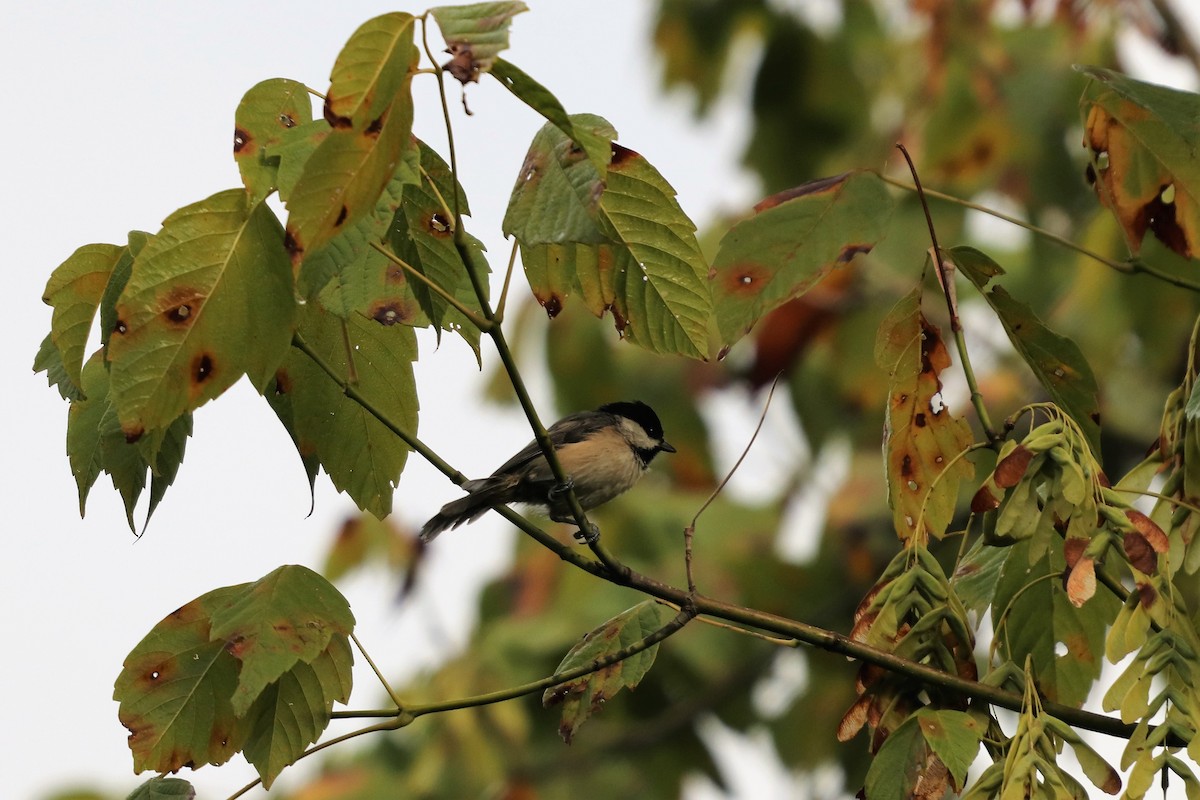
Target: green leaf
[954, 737]
[345, 174]
[293, 712]
[557, 195]
[1056, 361]
[422, 234]
[584, 696]
[661, 293]
[360, 454]
[288, 616]
[921, 436]
[292, 152]
[596, 142]
[266, 113]
[209, 299]
[74, 290]
[475, 34]
[794, 239]
[49, 360]
[373, 66]
[1032, 615]
[905, 762]
[974, 580]
[1143, 139]
[361, 270]
[174, 691]
[163, 788]
[96, 443]
[116, 284]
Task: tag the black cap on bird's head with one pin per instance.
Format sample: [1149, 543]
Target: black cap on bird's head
[644, 416]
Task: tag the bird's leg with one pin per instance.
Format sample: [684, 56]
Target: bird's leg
[556, 495]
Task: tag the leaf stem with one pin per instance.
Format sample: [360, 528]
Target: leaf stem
[946, 279]
[386, 686]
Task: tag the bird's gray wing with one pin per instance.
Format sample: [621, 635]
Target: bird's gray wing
[571, 428]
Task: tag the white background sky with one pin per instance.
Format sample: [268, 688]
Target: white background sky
[119, 113]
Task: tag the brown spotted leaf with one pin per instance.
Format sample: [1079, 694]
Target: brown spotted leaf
[1056, 361]
[288, 616]
[371, 68]
[1143, 140]
[907, 766]
[344, 176]
[174, 691]
[793, 240]
[475, 34]
[922, 437]
[74, 290]
[266, 113]
[208, 300]
[584, 696]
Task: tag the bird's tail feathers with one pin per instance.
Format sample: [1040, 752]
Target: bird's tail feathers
[484, 495]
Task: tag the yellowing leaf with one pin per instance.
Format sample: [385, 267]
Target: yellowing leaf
[74, 290]
[793, 240]
[370, 69]
[584, 696]
[921, 437]
[1143, 140]
[266, 113]
[209, 299]
[344, 176]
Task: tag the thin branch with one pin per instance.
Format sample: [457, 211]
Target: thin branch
[1175, 32]
[512, 260]
[386, 686]
[947, 281]
[690, 530]
[1131, 266]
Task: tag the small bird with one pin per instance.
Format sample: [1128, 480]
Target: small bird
[603, 452]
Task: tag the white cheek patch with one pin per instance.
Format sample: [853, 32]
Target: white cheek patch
[637, 435]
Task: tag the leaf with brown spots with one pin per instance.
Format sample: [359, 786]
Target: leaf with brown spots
[266, 113]
[597, 143]
[1056, 361]
[921, 436]
[174, 691]
[74, 290]
[288, 616]
[475, 34]
[293, 711]
[1142, 139]
[586, 695]
[359, 453]
[373, 65]
[793, 240]
[291, 154]
[344, 176]
[208, 300]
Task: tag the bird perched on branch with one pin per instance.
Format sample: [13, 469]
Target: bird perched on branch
[603, 453]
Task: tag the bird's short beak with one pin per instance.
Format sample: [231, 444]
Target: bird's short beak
[666, 447]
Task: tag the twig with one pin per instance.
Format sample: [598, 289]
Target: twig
[512, 260]
[386, 686]
[960, 341]
[690, 530]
